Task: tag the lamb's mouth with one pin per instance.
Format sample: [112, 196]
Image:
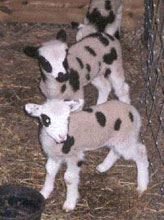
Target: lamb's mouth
[62, 77]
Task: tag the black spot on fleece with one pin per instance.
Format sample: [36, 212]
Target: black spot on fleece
[110, 57]
[117, 124]
[131, 116]
[101, 118]
[68, 144]
[74, 80]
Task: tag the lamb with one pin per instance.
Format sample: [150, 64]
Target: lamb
[68, 133]
[97, 58]
[102, 16]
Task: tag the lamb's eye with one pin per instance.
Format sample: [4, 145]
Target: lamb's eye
[45, 120]
[45, 64]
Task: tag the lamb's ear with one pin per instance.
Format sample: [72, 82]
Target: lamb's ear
[75, 25]
[76, 105]
[31, 51]
[33, 109]
[61, 35]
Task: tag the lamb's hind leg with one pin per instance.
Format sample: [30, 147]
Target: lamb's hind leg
[140, 157]
[104, 87]
[121, 89]
[108, 162]
[52, 168]
[117, 79]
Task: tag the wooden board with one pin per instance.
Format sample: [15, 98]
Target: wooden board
[43, 11]
[62, 11]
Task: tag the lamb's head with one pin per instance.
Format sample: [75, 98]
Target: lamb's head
[51, 55]
[54, 116]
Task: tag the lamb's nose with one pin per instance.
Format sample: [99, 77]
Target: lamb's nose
[62, 77]
[62, 137]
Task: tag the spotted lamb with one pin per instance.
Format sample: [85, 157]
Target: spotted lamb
[65, 71]
[102, 16]
[67, 133]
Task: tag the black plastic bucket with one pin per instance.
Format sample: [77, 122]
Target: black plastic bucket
[19, 202]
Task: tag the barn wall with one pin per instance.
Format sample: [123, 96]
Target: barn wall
[61, 11]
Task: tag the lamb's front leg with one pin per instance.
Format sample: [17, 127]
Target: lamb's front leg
[52, 168]
[108, 162]
[71, 177]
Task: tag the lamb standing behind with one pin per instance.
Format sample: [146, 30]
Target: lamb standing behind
[65, 136]
[102, 16]
[97, 58]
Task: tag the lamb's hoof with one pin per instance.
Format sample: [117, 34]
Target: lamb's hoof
[125, 99]
[69, 206]
[140, 190]
[101, 168]
[44, 194]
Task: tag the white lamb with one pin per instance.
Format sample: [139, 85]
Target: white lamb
[97, 58]
[65, 136]
[102, 16]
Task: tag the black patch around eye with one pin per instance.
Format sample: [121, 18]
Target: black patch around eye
[68, 144]
[88, 76]
[45, 64]
[63, 88]
[101, 118]
[89, 110]
[74, 80]
[80, 62]
[110, 57]
[80, 163]
[117, 124]
[88, 67]
[107, 72]
[90, 50]
[131, 117]
[45, 120]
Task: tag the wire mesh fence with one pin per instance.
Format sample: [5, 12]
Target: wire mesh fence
[152, 70]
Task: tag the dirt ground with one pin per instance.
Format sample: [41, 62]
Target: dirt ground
[108, 196]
